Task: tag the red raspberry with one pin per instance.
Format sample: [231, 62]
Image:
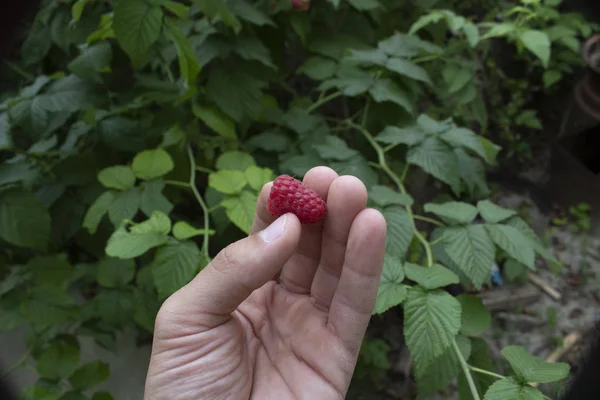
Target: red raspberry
[300, 4]
[290, 195]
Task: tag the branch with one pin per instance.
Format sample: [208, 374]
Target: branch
[322, 101]
[199, 198]
[465, 368]
[398, 182]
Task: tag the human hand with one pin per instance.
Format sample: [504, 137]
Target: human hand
[280, 314]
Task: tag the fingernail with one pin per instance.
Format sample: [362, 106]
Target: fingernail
[275, 230]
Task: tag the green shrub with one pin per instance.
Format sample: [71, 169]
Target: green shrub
[141, 131]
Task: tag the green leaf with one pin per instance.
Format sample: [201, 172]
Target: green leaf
[59, 30]
[335, 148]
[432, 18]
[493, 213]
[391, 291]
[37, 45]
[431, 320]
[351, 82]
[407, 46]
[146, 306]
[248, 12]
[152, 198]
[251, 48]
[385, 196]
[529, 119]
[241, 210]
[92, 61]
[180, 10]
[89, 375]
[472, 250]
[499, 29]
[235, 161]
[39, 393]
[182, 231]
[150, 164]
[453, 211]
[551, 77]
[115, 307]
[440, 373]
[70, 94]
[400, 231]
[270, 141]
[408, 68]
[472, 33]
[228, 182]
[534, 369]
[538, 43]
[189, 68]
[117, 177]
[318, 68]
[512, 241]
[476, 319]
[433, 277]
[10, 313]
[393, 135]
[437, 159]
[218, 8]
[491, 150]
[461, 137]
[472, 172]
[456, 77]
[59, 359]
[257, 177]
[130, 244]
[175, 265]
[24, 221]
[510, 389]
[102, 396]
[215, 120]
[365, 5]
[124, 206]
[112, 272]
[236, 92]
[356, 166]
[514, 270]
[137, 25]
[48, 305]
[54, 269]
[158, 222]
[480, 358]
[388, 90]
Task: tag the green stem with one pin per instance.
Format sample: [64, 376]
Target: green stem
[390, 147]
[199, 198]
[322, 101]
[19, 71]
[427, 219]
[398, 182]
[486, 372]
[366, 112]
[436, 241]
[178, 184]
[16, 365]
[465, 368]
[205, 170]
[404, 172]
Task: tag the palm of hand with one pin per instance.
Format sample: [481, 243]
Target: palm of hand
[292, 338]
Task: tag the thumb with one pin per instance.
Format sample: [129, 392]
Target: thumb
[238, 270]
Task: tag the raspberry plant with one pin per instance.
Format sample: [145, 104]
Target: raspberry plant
[133, 117]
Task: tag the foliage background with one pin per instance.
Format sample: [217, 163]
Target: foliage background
[141, 131]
